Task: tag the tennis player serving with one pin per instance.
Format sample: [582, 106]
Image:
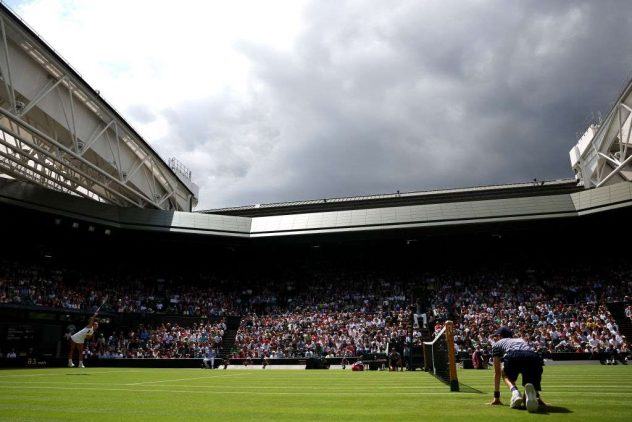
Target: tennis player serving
[78, 339]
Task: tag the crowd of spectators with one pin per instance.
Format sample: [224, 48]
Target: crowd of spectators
[319, 333]
[123, 293]
[553, 315]
[337, 312]
[552, 312]
[164, 341]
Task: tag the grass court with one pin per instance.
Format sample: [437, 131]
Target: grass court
[574, 392]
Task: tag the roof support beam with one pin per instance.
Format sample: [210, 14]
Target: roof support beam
[39, 89]
[39, 97]
[8, 80]
[62, 149]
[92, 140]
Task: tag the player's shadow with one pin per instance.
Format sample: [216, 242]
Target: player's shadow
[464, 388]
[554, 409]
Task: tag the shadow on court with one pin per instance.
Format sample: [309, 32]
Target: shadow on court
[554, 409]
[77, 374]
[464, 388]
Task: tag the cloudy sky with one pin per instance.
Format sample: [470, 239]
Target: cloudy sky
[279, 100]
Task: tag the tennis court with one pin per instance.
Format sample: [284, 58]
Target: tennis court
[576, 392]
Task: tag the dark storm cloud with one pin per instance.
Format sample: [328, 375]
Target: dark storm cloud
[224, 137]
[383, 96]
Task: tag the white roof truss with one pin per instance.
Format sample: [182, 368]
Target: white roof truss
[56, 131]
[603, 156]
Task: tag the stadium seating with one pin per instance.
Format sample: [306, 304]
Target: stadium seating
[336, 312]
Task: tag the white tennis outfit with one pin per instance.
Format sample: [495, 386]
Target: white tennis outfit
[80, 336]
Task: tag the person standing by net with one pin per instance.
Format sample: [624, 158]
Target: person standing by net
[78, 339]
[513, 357]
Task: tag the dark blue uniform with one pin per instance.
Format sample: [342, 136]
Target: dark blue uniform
[519, 358]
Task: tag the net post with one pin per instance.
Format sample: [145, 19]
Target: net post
[449, 333]
[426, 357]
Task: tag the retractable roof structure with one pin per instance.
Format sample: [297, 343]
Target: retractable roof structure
[603, 155]
[58, 132]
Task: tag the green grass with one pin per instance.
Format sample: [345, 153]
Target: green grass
[575, 392]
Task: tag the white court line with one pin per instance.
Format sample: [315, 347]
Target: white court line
[250, 393]
[596, 389]
[185, 379]
[294, 393]
[59, 374]
[292, 387]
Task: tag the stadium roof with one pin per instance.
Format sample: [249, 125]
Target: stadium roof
[58, 132]
[513, 190]
[603, 155]
[512, 204]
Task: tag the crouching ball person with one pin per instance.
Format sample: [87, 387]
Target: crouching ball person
[78, 339]
[513, 357]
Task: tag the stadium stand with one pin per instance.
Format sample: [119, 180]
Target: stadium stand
[339, 311]
[165, 341]
[340, 295]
